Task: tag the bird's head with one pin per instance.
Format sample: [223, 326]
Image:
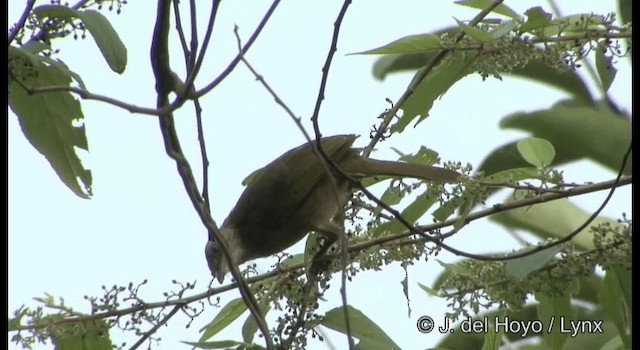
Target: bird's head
[216, 260]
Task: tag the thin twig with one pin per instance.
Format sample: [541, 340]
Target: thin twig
[244, 50]
[164, 83]
[191, 76]
[183, 40]
[189, 59]
[344, 256]
[87, 95]
[354, 248]
[23, 18]
[155, 328]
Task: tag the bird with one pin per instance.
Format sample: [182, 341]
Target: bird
[294, 195]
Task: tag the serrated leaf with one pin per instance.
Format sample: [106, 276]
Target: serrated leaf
[604, 66]
[521, 267]
[371, 336]
[536, 151]
[615, 298]
[409, 44]
[52, 122]
[107, 39]
[475, 33]
[501, 9]
[555, 309]
[429, 89]
[229, 313]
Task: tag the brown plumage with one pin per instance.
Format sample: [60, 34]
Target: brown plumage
[293, 196]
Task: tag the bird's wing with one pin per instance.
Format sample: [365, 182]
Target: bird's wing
[286, 183]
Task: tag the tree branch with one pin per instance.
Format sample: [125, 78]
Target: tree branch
[354, 248]
[164, 85]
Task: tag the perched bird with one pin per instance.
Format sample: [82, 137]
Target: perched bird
[294, 195]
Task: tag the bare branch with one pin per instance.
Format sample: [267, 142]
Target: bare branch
[232, 65]
[164, 84]
[87, 95]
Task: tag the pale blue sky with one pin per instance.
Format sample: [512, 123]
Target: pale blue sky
[140, 224]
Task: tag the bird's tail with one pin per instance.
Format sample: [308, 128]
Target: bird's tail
[365, 167]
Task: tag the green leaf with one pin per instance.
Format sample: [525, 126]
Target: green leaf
[536, 151]
[504, 29]
[538, 71]
[409, 44]
[371, 336]
[493, 338]
[90, 335]
[604, 66]
[501, 9]
[54, 11]
[583, 131]
[555, 309]
[536, 18]
[16, 321]
[391, 196]
[615, 298]
[225, 316]
[568, 81]
[615, 343]
[457, 269]
[52, 122]
[475, 33]
[223, 344]
[448, 208]
[521, 267]
[428, 290]
[250, 326]
[510, 175]
[430, 88]
[411, 213]
[624, 10]
[424, 156]
[107, 39]
[554, 219]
